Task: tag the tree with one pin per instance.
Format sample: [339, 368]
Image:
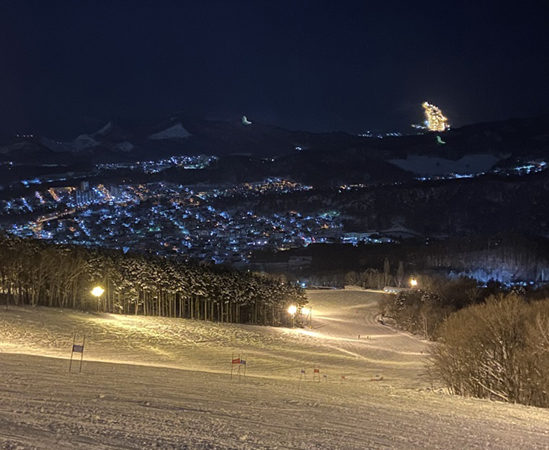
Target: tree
[62, 276]
[400, 274]
[496, 350]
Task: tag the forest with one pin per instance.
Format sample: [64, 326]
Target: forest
[490, 341]
[498, 349]
[438, 209]
[39, 274]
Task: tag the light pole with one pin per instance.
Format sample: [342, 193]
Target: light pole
[97, 291]
[292, 310]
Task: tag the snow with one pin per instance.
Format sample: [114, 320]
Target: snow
[124, 146]
[176, 131]
[56, 146]
[83, 142]
[165, 383]
[106, 129]
[427, 165]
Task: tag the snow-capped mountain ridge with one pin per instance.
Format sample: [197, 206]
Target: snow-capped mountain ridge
[176, 131]
[493, 143]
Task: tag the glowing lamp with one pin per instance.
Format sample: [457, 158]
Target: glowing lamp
[97, 291]
[413, 282]
[292, 309]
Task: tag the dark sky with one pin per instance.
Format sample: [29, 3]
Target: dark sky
[70, 66]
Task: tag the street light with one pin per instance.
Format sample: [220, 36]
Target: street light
[97, 291]
[413, 282]
[292, 310]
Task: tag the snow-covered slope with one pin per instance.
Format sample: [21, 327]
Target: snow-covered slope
[176, 131]
[165, 383]
[429, 165]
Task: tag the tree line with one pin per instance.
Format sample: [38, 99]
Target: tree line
[39, 274]
[490, 341]
[497, 350]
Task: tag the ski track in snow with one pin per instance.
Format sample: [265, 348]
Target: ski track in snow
[165, 383]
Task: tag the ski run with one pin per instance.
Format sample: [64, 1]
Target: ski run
[344, 382]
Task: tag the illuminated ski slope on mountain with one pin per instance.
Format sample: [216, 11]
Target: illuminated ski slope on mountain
[165, 383]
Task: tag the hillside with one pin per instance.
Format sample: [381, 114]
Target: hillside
[496, 142]
[479, 206]
[165, 383]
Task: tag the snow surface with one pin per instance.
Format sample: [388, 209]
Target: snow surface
[174, 132]
[83, 142]
[106, 129]
[165, 383]
[427, 165]
[125, 146]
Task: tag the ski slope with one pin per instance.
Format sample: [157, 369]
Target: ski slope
[165, 384]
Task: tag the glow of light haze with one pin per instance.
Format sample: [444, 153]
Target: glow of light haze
[434, 119]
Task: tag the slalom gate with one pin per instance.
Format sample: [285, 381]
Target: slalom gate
[77, 348]
[239, 362]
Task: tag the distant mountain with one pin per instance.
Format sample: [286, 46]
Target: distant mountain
[473, 148]
[319, 169]
[177, 135]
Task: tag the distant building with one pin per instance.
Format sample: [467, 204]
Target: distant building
[82, 197]
[299, 262]
[355, 238]
[115, 191]
[400, 232]
[394, 289]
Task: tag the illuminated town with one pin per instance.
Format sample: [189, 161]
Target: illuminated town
[236, 225]
[207, 222]
[168, 219]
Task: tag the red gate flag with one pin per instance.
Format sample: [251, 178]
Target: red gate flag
[317, 371]
[236, 361]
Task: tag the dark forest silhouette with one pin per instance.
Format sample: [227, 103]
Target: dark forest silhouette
[38, 274]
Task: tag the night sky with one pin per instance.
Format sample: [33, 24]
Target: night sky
[68, 67]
